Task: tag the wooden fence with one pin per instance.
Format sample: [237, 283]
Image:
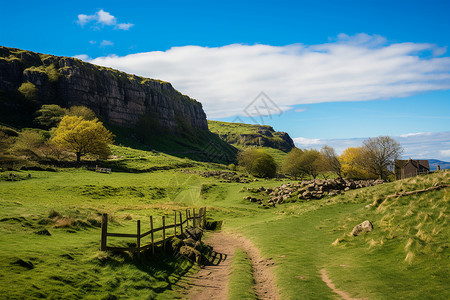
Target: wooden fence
[194, 220]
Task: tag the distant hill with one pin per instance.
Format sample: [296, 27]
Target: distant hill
[435, 162]
[244, 135]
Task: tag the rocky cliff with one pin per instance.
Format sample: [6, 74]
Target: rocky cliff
[244, 135]
[117, 97]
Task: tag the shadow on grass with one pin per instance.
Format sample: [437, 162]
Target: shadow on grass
[163, 267]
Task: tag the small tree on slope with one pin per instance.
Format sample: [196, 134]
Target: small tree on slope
[83, 136]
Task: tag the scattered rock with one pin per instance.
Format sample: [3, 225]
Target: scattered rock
[365, 226]
[308, 190]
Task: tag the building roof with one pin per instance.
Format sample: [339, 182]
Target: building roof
[418, 163]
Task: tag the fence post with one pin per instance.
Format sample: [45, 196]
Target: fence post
[175, 227]
[187, 219]
[104, 232]
[164, 231]
[138, 241]
[193, 219]
[151, 233]
[199, 217]
[204, 217]
[181, 223]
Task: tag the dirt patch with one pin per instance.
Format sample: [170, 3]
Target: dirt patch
[212, 281]
[330, 284]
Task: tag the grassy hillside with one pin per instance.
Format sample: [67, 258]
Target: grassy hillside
[404, 257]
[202, 146]
[244, 135]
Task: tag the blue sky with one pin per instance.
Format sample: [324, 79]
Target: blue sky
[338, 71]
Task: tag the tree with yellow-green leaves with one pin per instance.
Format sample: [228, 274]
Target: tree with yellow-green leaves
[83, 136]
[353, 164]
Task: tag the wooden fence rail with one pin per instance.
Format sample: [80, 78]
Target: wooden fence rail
[197, 220]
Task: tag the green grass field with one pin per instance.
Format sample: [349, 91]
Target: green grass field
[241, 281]
[405, 257]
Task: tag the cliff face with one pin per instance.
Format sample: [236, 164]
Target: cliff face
[117, 97]
[245, 135]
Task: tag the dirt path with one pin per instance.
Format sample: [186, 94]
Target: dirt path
[331, 285]
[212, 281]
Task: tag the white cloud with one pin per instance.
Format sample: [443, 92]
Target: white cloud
[82, 57]
[352, 68]
[413, 134]
[105, 18]
[305, 142]
[125, 26]
[426, 145]
[105, 43]
[445, 153]
[102, 17]
[84, 19]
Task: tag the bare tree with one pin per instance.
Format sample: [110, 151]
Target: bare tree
[331, 160]
[380, 154]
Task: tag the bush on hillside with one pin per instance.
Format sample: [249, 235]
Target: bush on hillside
[258, 162]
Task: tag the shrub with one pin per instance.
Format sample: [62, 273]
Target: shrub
[257, 162]
[28, 90]
[232, 167]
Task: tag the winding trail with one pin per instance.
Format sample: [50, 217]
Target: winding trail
[331, 285]
[212, 281]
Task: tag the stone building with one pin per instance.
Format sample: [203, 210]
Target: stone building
[410, 168]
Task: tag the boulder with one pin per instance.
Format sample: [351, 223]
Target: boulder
[194, 233]
[189, 242]
[191, 253]
[365, 226]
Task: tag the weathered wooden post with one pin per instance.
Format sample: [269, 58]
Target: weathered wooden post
[164, 231]
[181, 223]
[187, 218]
[175, 225]
[199, 217]
[104, 232]
[138, 240]
[204, 217]
[151, 233]
[193, 219]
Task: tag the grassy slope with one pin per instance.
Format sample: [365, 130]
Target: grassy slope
[67, 264]
[241, 282]
[220, 127]
[405, 257]
[195, 145]
[234, 130]
[297, 236]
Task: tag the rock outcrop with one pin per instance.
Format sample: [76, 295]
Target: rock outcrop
[117, 97]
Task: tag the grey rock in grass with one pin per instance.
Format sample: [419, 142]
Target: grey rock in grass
[365, 226]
